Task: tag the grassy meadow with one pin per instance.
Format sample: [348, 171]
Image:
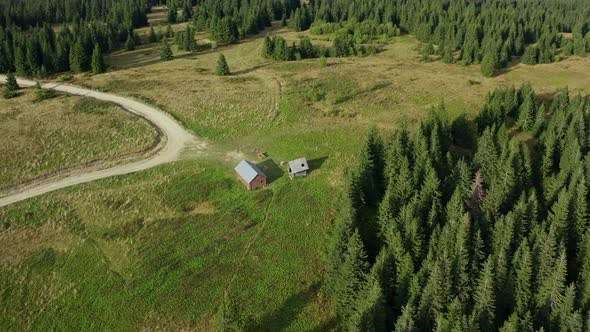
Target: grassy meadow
[40, 138]
[159, 250]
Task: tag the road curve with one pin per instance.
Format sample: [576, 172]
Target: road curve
[174, 139]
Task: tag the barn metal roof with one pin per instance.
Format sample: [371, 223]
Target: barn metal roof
[298, 165]
[248, 171]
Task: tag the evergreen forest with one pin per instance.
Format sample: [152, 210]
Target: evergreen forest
[469, 225]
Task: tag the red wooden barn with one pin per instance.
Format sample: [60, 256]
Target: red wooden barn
[251, 175]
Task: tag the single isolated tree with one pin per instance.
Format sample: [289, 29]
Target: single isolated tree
[11, 87]
[153, 36]
[98, 65]
[166, 52]
[222, 68]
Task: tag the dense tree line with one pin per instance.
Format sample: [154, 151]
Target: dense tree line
[438, 230]
[277, 48]
[30, 45]
[489, 32]
[230, 20]
[185, 40]
[363, 32]
[29, 13]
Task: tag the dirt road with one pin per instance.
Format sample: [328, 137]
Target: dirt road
[174, 139]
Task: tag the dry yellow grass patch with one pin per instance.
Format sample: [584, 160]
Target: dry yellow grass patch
[40, 138]
[20, 241]
[378, 89]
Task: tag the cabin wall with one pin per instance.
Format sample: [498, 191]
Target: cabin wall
[258, 182]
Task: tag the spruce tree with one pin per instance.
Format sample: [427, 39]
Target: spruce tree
[489, 64]
[551, 291]
[98, 65]
[165, 52]
[447, 55]
[583, 278]
[20, 62]
[405, 322]
[351, 277]
[78, 61]
[483, 314]
[268, 47]
[581, 215]
[11, 86]
[560, 216]
[527, 113]
[530, 55]
[153, 37]
[222, 69]
[435, 294]
[568, 48]
[539, 120]
[344, 225]
[370, 313]
[170, 32]
[172, 12]
[130, 43]
[521, 278]
[368, 170]
[566, 317]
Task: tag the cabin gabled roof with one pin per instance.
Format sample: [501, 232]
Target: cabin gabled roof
[248, 171]
[298, 165]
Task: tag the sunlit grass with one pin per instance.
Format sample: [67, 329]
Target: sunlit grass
[39, 138]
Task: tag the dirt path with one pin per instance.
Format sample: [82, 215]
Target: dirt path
[174, 139]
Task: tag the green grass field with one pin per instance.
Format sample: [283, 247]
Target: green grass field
[159, 249]
[41, 138]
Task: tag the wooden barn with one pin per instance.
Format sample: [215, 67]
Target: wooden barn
[252, 177]
[298, 167]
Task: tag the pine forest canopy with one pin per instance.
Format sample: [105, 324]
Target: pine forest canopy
[476, 28]
[30, 46]
[29, 13]
[440, 231]
[488, 32]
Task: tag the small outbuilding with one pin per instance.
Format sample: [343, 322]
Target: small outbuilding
[250, 175]
[298, 167]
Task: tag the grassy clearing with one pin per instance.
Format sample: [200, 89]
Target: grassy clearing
[378, 89]
[40, 138]
[158, 249]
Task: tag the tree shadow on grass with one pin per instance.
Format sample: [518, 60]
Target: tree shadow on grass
[251, 69]
[271, 169]
[280, 318]
[315, 164]
[514, 62]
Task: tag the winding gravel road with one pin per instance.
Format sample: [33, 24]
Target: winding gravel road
[174, 139]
